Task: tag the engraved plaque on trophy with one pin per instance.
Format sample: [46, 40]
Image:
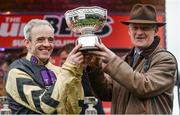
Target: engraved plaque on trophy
[86, 21]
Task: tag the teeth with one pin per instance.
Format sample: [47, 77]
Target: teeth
[45, 50]
[139, 38]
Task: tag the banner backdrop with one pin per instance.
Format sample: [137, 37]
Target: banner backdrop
[113, 35]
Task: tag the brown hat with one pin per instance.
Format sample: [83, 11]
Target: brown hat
[143, 13]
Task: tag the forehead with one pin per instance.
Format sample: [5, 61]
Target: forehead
[42, 31]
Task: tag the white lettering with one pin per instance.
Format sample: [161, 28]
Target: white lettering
[17, 43]
[21, 29]
[58, 43]
[11, 29]
[13, 19]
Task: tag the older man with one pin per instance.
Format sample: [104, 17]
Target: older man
[142, 81]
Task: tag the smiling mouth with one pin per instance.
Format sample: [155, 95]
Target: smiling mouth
[45, 50]
[140, 38]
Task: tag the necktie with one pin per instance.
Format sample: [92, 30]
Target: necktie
[135, 58]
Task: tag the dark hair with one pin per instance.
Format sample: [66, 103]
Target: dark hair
[8, 58]
[23, 53]
[2, 61]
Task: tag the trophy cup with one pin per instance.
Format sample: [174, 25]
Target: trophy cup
[86, 21]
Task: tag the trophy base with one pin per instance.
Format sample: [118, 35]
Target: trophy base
[86, 49]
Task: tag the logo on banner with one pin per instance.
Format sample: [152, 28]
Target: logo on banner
[61, 28]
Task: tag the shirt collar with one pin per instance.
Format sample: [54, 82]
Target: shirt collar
[35, 59]
[135, 51]
[148, 51]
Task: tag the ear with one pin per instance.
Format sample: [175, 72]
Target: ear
[129, 32]
[27, 43]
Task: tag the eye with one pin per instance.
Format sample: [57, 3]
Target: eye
[146, 28]
[40, 39]
[51, 39]
[133, 27]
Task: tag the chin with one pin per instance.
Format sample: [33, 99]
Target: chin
[44, 58]
[140, 44]
[142, 47]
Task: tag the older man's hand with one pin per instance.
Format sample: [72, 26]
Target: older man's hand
[104, 54]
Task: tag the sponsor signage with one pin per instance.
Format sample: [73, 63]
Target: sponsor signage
[113, 35]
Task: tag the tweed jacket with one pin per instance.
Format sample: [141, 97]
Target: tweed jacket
[34, 87]
[132, 90]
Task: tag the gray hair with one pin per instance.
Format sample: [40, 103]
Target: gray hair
[34, 22]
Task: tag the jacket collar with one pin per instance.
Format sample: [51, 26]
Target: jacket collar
[148, 51]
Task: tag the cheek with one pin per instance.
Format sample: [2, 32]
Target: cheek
[150, 41]
[34, 47]
[150, 38]
[132, 36]
[133, 40]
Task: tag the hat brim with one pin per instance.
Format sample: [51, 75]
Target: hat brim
[159, 24]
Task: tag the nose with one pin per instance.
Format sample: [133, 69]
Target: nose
[139, 31]
[46, 42]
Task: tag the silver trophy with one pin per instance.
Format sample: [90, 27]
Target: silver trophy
[87, 21]
[5, 109]
[91, 102]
